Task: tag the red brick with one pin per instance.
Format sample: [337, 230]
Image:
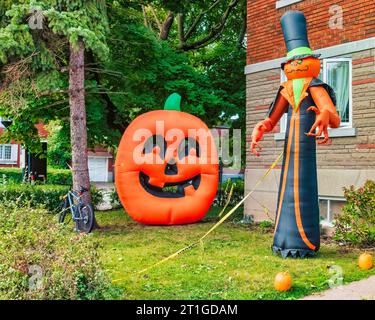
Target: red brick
[261, 107]
[364, 81]
[276, 77]
[366, 146]
[265, 40]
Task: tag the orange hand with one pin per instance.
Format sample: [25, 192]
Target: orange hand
[257, 135]
[323, 102]
[321, 122]
[279, 108]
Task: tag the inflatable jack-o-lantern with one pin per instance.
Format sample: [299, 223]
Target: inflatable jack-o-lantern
[166, 169]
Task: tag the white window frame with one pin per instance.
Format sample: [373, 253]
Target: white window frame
[13, 154]
[346, 129]
[325, 61]
[2, 146]
[328, 222]
[285, 3]
[1, 125]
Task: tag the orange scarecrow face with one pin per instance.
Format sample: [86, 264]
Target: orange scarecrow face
[166, 168]
[302, 68]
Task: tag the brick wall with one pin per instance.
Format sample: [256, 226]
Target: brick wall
[345, 152]
[265, 40]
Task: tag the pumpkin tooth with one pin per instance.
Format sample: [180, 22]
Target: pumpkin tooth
[156, 182]
[189, 190]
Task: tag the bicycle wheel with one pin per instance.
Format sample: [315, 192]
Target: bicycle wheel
[64, 210]
[86, 215]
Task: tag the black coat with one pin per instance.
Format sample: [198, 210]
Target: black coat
[297, 231]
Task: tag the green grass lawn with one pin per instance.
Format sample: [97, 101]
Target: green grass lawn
[235, 261]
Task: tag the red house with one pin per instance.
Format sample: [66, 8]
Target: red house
[100, 161]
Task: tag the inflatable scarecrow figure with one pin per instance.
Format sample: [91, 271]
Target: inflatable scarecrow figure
[310, 104]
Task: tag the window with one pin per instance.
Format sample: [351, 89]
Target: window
[5, 152]
[337, 72]
[329, 208]
[285, 3]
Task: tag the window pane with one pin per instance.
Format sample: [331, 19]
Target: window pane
[323, 209]
[1, 152]
[336, 208]
[7, 152]
[320, 76]
[338, 79]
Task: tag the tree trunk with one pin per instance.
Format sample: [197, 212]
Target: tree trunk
[78, 134]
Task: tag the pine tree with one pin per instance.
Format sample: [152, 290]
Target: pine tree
[31, 52]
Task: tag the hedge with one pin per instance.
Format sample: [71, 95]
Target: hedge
[54, 176]
[47, 196]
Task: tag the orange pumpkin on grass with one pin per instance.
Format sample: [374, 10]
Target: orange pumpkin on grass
[283, 281]
[365, 261]
[166, 170]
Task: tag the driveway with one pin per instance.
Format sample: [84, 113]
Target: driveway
[360, 290]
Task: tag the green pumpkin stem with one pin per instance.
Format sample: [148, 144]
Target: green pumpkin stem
[173, 102]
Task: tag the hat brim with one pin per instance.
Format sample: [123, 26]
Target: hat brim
[301, 56]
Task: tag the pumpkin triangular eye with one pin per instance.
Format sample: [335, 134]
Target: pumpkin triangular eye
[188, 146]
[155, 144]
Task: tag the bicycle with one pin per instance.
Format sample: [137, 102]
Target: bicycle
[82, 214]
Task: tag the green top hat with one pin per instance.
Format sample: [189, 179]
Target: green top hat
[294, 26]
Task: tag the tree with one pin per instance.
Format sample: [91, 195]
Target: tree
[198, 23]
[128, 70]
[77, 25]
[78, 133]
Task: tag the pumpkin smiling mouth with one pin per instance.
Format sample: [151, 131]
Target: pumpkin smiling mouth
[299, 70]
[171, 190]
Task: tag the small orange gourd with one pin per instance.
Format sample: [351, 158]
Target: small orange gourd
[365, 261]
[283, 281]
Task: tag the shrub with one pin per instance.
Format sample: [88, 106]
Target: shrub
[54, 176]
[237, 194]
[356, 224]
[47, 196]
[114, 199]
[266, 225]
[59, 176]
[10, 175]
[46, 260]
[97, 196]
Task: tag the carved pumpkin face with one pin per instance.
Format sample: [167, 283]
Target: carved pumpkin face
[164, 173]
[302, 68]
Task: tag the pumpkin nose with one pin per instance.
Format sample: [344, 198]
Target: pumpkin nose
[170, 157]
[171, 169]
